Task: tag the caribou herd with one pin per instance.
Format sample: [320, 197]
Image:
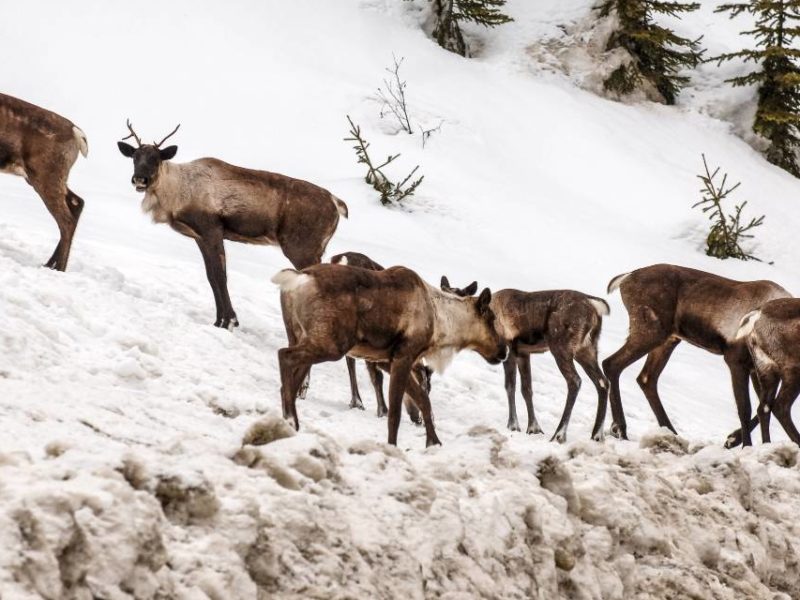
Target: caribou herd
[354, 308]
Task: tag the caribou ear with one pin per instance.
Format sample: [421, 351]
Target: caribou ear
[126, 149]
[471, 289]
[168, 153]
[484, 298]
[444, 284]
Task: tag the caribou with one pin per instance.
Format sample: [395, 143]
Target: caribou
[772, 335]
[375, 370]
[564, 322]
[667, 304]
[390, 316]
[42, 147]
[210, 201]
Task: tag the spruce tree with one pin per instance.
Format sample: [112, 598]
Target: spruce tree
[448, 14]
[778, 76]
[657, 53]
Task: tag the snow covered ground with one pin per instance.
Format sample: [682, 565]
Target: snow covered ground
[132, 454]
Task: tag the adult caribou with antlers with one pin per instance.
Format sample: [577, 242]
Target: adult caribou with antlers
[210, 201]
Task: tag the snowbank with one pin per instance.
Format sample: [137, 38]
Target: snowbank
[302, 516]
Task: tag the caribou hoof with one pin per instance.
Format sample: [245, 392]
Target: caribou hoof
[227, 322]
[292, 421]
[356, 403]
[432, 442]
[617, 432]
[733, 440]
[513, 425]
[598, 436]
[559, 436]
[381, 412]
[534, 428]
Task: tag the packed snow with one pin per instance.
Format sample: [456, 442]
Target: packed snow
[142, 454]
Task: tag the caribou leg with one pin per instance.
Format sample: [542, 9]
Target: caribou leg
[567, 367]
[790, 388]
[526, 384]
[636, 346]
[376, 377]
[213, 251]
[399, 373]
[739, 364]
[648, 380]
[355, 397]
[510, 370]
[416, 392]
[65, 207]
[587, 359]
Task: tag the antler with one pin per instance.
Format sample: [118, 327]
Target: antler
[132, 133]
[158, 145]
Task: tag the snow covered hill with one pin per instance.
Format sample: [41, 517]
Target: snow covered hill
[127, 422]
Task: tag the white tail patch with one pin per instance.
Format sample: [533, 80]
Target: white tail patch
[601, 306]
[747, 323]
[616, 282]
[83, 143]
[289, 279]
[342, 261]
[340, 206]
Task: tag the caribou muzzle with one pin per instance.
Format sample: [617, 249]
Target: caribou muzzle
[140, 183]
[500, 356]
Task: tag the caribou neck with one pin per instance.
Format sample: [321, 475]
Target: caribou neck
[451, 318]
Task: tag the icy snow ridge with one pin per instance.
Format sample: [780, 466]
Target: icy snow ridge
[302, 516]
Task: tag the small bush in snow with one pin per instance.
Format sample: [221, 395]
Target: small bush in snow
[391, 193]
[778, 76]
[727, 231]
[656, 53]
[393, 97]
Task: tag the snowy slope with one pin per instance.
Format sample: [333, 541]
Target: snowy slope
[121, 405]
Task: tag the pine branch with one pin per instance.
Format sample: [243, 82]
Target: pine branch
[391, 193]
[727, 231]
[482, 12]
[778, 77]
[657, 53]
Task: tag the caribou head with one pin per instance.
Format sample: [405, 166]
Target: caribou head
[147, 158]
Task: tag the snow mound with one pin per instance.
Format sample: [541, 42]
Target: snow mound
[471, 519]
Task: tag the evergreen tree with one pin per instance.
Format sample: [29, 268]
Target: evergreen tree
[778, 76]
[448, 14]
[657, 53]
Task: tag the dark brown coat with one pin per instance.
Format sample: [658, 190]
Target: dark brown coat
[42, 146]
[772, 334]
[420, 373]
[667, 304]
[388, 316]
[564, 322]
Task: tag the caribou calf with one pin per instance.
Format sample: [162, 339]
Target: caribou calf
[421, 372]
[211, 201]
[389, 316]
[667, 304]
[42, 146]
[565, 322]
[772, 334]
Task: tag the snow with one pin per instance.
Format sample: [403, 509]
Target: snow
[128, 466]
